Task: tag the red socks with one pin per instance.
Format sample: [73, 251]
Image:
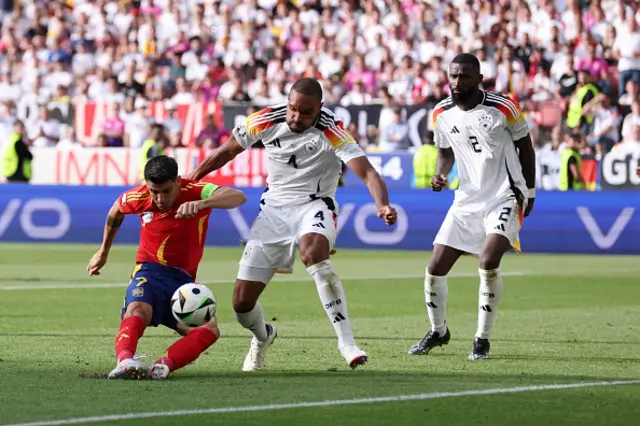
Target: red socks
[188, 348]
[131, 330]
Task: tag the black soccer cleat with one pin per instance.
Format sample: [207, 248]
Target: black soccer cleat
[430, 341]
[480, 349]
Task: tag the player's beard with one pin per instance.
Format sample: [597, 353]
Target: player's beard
[462, 96]
[295, 127]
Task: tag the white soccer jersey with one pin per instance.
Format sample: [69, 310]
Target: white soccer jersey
[300, 166]
[482, 140]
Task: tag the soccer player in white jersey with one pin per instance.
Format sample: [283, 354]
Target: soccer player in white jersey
[305, 145]
[488, 136]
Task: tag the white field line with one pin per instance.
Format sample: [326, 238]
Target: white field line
[278, 279]
[329, 403]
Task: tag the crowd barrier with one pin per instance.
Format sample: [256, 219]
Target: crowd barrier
[586, 222]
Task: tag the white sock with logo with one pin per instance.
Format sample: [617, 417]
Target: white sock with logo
[333, 300]
[436, 291]
[489, 297]
[254, 322]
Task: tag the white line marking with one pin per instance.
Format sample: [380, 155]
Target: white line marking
[282, 279]
[330, 403]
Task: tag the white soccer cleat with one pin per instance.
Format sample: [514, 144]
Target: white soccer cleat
[354, 355]
[129, 369]
[255, 358]
[159, 372]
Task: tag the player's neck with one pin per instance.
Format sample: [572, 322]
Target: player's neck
[474, 100]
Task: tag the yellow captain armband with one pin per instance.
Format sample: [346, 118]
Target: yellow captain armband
[208, 190]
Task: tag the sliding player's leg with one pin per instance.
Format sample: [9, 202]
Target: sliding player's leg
[502, 225]
[461, 232]
[196, 340]
[317, 236]
[137, 314]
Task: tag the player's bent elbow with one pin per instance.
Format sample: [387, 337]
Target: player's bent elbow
[237, 198]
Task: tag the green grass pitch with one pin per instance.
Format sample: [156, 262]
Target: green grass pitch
[563, 320]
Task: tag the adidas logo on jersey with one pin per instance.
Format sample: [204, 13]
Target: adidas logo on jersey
[500, 227]
[338, 318]
[318, 225]
[455, 130]
[275, 142]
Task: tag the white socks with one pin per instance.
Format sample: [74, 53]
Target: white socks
[489, 298]
[435, 295]
[254, 321]
[333, 300]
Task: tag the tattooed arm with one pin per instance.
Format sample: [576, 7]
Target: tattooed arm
[114, 220]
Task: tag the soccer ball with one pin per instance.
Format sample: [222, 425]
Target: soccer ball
[193, 304]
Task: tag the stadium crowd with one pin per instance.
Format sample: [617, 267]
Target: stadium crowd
[570, 59]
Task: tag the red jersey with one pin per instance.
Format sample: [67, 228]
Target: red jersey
[164, 239]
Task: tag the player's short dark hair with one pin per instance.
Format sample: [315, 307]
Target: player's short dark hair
[468, 59]
[309, 87]
[161, 169]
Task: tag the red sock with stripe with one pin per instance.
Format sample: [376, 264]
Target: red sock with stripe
[188, 349]
[131, 330]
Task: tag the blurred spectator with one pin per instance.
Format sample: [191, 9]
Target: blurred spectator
[395, 135]
[16, 157]
[113, 128]
[210, 136]
[173, 125]
[45, 131]
[605, 125]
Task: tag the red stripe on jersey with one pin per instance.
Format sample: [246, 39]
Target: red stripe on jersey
[436, 113]
[259, 121]
[337, 135]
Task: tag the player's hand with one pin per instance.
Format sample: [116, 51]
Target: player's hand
[638, 172]
[388, 213]
[97, 262]
[188, 210]
[438, 182]
[527, 210]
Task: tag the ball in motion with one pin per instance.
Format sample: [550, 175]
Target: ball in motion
[193, 304]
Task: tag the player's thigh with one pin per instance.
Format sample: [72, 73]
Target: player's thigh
[504, 220]
[139, 297]
[462, 232]
[442, 260]
[320, 217]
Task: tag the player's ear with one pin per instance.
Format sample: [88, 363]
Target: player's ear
[178, 180]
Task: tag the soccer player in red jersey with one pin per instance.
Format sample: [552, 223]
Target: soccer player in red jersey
[174, 214]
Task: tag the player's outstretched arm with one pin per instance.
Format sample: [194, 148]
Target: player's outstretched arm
[216, 198]
[362, 167]
[527, 157]
[111, 227]
[217, 159]
[444, 164]
[224, 198]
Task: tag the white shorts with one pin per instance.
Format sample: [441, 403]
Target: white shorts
[466, 231]
[276, 233]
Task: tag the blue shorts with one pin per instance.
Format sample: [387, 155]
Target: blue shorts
[154, 284]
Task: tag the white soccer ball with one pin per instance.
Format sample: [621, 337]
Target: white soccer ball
[193, 304]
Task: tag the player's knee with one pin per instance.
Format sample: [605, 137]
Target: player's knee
[244, 300]
[139, 309]
[489, 262]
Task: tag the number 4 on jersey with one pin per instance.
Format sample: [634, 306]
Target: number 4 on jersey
[292, 162]
[320, 216]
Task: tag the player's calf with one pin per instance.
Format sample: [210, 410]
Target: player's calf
[135, 319]
[185, 350]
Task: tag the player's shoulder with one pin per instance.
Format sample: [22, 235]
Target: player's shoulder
[442, 107]
[333, 129]
[135, 196]
[502, 104]
[189, 183]
[266, 118]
